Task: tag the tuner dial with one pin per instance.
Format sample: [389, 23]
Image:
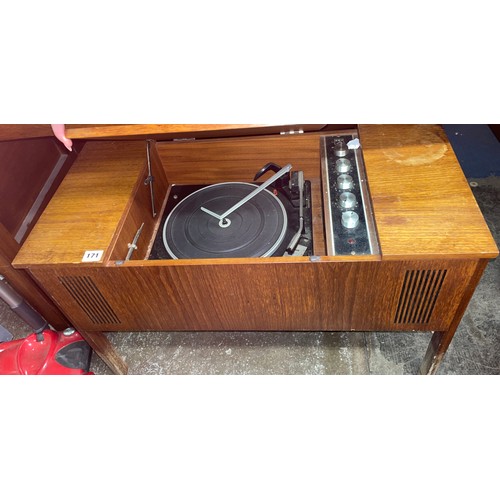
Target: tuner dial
[342, 165]
[347, 200]
[344, 181]
[340, 148]
[350, 219]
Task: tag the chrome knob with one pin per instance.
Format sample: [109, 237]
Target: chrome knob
[350, 219]
[340, 148]
[344, 181]
[347, 200]
[342, 165]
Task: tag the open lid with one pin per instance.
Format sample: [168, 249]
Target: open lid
[181, 131]
[157, 131]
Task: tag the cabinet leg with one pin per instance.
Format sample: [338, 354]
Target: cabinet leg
[435, 352]
[104, 349]
[441, 340]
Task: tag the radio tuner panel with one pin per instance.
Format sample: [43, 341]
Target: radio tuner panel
[349, 221]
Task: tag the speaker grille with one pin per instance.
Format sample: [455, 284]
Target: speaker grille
[90, 299]
[419, 295]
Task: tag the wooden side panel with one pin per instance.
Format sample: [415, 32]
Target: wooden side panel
[267, 297]
[229, 160]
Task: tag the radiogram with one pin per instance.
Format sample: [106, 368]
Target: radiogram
[372, 228]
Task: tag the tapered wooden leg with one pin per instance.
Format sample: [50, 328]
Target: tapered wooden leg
[441, 340]
[105, 350]
[435, 352]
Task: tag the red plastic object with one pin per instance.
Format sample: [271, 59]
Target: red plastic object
[56, 354]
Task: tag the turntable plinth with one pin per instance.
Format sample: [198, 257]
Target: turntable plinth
[434, 243]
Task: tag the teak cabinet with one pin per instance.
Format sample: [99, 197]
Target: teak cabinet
[434, 243]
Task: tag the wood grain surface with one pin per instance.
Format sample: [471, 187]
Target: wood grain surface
[158, 131]
[21, 131]
[227, 160]
[87, 208]
[256, 296]
[421, 199]
[139, 213]
[153, 131]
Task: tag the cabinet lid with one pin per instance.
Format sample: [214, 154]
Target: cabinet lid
[181, 131]
[152, 131]
[422, 201]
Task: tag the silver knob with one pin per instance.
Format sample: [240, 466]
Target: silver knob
[347, 200]
[350, 219]
[342, 165]
[340, 148]
[344, 181]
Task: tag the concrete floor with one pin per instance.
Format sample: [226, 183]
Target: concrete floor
[475, 349]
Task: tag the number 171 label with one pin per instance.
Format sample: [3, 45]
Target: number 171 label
[92, 255]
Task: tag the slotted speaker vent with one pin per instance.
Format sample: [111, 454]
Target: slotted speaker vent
[418, 296]
[90, 299]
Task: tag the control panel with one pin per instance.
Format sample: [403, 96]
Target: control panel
[350, 226]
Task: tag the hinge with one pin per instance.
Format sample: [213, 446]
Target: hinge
[291, 132]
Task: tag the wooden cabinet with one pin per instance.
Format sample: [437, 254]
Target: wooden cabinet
[433, 242]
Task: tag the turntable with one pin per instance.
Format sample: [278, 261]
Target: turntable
[238, 219]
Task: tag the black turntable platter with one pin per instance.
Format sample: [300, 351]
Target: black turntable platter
[194, 229]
